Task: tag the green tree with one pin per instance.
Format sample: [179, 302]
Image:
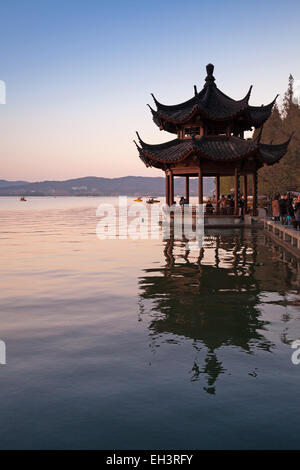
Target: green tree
[285, 175]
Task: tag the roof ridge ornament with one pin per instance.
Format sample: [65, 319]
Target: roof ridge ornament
[155, 100]
[139, 138]
[249, 93]
[152, 110]
[209, 80]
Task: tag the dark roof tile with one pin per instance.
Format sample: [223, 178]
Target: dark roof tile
[213, 148]
[212, 104]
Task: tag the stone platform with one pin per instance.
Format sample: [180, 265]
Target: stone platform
[284, 235]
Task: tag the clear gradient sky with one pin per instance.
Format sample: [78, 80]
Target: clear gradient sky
[80, 72]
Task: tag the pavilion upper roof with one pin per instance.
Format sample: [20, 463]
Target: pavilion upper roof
[211, 104]
[219, 148]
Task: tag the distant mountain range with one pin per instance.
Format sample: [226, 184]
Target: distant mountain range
[5, 184]
[93, 186]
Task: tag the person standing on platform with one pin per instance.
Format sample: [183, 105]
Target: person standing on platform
[283, 204]
[276, 208]
[297, 214]
[241, 205]
[290, 209]
[222, 203]
[229, 204]
[209, 208]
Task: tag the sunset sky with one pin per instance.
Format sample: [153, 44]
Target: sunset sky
[79, 74]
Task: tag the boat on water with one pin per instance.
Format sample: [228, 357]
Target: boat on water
[138, 199]
[152, 200]
[23, 199]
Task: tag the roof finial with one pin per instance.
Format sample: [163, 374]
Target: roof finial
[209, 78]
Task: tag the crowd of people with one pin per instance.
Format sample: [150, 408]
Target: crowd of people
[286, 209]
[226, 205]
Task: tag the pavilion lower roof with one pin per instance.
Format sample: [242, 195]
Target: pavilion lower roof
[219, 148]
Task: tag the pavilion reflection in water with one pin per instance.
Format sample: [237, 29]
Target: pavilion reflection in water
[210, 297]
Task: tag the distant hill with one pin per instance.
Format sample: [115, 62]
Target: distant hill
[94, 186]
[5, 183]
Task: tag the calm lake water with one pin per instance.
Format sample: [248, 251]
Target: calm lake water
[123, 344]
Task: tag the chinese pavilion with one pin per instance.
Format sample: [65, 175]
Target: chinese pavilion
[210, 141]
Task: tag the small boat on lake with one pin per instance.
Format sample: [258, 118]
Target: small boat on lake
[23, 199]
[152, 200]
[138, 199]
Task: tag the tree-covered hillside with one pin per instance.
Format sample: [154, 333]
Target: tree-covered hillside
[285, 175]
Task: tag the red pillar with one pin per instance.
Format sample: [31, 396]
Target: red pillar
[236, 206]
[200, 187]
[171, 189]
[187, 189]
[167, 190]
[254, 192]
[217, 192]
[245, 194]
